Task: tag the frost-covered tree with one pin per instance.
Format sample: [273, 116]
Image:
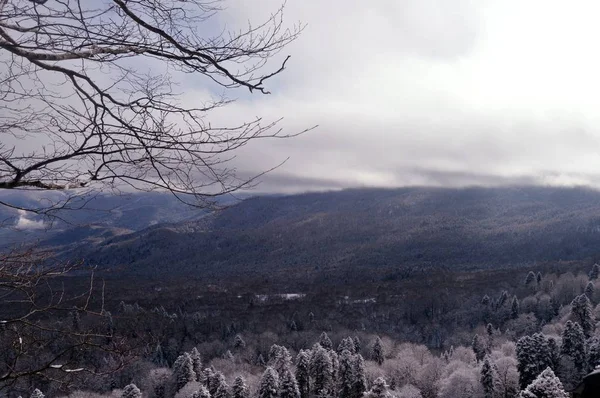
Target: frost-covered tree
[222, 390]
[589, 290]
[533, 356]
[479, 347]
[530, 278]
[202, 393]
[239, 388]
[485, 300]
[379, 389]
[279, 359]
[321, 370]
[502, 299]
[346, 375]
[507, 377]
[288, 386]
[409, 391]
[183, 371]
[377, 354]
[158, 357]
[594, 272]
[357, 345]
[514, 308]
[131, 391]
[573, 344]
[538, 278]
[581, 312]
[215, 382]
[196, 363]
[461, 383]
[546, 385]
[238, 342]
[269, 384]
[303, 373]
[360, 379]
[593, 353]
[347, 344]
[325, 341]
[38, 394]
[487, 378]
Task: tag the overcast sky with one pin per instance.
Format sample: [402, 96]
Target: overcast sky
[430, 92]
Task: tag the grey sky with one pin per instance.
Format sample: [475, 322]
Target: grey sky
[429, 92]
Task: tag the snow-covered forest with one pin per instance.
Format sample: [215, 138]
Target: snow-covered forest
[538, 345]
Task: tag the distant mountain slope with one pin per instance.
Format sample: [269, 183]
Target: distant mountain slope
[362, 233]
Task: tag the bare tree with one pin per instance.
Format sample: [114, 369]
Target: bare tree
[89, 95]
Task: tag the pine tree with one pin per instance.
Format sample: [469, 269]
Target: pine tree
[325, 341]
[379, 389]
[238, 342]
[573, 344]
[159, 356]
[581, 312]
[196, 363]
[269, 384]
[533, 355]
[589, 290]
[202, 393]
[131, 391]
[347, 344]
[222, 390]
[183, 371]
[485, 300]
[514, 308]
[378, 354]
[216, 381]
[360, 378]
[487, 378]
[502, 299]
[538, 278]
[594, 272]
[357, 345]
[288, 386]
[240, 389]
[346, 375]
[478, 347]
[530, 278]
[279, 359]
[321, 370]
[593, 353]
[554, 353]
[546, 385]
[303, 373]
[37, 394]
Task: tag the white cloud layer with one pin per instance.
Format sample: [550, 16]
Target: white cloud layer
[430, 92]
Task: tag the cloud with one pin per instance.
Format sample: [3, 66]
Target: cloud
[430, 92]
[24, 222]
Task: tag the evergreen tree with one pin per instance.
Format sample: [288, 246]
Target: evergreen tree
[183, 371]
[554, 353]
[288, 386]
[594, 272]
[260, 360]
[360, 378]
[593, 353]
[502, 299]
[269, 384]
[573, 344]
[546, 385]
[321, 370]
[159, 356]
[533, 356]
[347, 344]
[581, 312]
[478, 347]
[379, 389]
[378, 354]
[485, 300]
[131, 391]
[538, 278]
[303, 373]
[346, 375]
[487, 378]
[222, 390]
[202, 393]
[514, 308]
[279, 359]
[240, 389]
[196, 363]
[530, 278]
[216, 381]
[325, 341]
[589, 290]
[357, 345]
[238, 342]
[37, 394]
